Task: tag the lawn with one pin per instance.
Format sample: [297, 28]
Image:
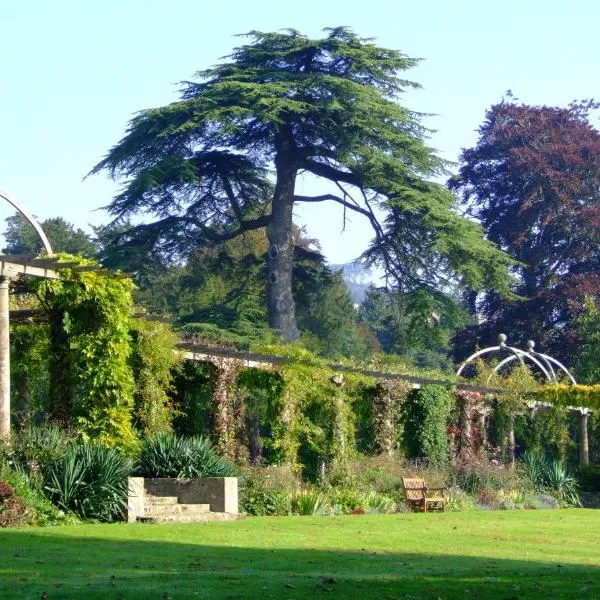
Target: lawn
[510, 555]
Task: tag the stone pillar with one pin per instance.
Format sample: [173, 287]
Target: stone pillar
[584, 450]
[511, 443]
[4, 359]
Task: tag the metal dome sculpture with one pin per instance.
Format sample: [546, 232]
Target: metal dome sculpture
[549, 366]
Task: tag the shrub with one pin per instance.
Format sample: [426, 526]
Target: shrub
[345, 500]
[168, 455]
[28, 487]
[589, 478]
[91, 481]
[260, 502]
[37, 446]
[459, 500]
[477, 473]
[12, 508]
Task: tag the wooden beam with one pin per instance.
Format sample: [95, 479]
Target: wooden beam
[9, 269]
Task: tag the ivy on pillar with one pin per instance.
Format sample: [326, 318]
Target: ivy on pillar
[222, 403]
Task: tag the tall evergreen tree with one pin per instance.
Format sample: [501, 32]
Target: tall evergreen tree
[225, 158]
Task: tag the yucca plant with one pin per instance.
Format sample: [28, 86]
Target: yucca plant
[90, 481]
[553, 477]
[379, 503]
[307, 502]
[562, 484]
[168, 455]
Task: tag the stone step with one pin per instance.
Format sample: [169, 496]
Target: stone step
[185, 518]
[160, 510]
[156, 500]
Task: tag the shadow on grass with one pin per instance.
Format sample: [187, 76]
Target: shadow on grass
[42, 564]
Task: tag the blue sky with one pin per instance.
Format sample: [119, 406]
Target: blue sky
[73, 73]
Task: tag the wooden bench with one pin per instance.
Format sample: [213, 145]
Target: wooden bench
[419, 496]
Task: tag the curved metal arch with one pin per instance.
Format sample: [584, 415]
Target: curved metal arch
[549, 377]
[559, 365]
[31, 219]
[516, 354]
[542, 361]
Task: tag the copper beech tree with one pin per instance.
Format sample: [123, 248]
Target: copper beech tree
[226, 157]
[533, 181]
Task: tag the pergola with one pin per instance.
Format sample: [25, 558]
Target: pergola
[12, 267]
[548, 366]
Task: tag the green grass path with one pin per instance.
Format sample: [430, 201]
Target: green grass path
[505, 555]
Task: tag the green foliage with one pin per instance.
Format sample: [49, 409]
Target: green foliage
[153, 360]
[267, 491]
[316, 424]
[477, 473]
[21, 237]
[193, 386]
[91, 481]
[29, 357]
[589, 478]
[565, 395]
[328, 107]
[167, 455]
[307, 502]
[260, 392]
[425, 416]
[459, 500]
[587, 364]
[553, 477]
[326, 313]
[93, 310]
[28, 487]
[416, 325]
[545, 430]
[36, 446]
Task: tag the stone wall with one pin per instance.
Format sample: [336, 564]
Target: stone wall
[221, 493]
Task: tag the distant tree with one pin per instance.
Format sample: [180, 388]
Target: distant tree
[225, 159]
[587, 358]
[417, 325]
[533, 181]
[21, 237]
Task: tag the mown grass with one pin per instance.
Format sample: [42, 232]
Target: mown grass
[508, 555]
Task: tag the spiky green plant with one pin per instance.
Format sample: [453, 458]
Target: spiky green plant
[91, 481]
[168, 455]
[307, 502]
[552, 477]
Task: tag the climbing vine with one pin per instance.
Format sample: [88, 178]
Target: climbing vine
[154, 361]
[425, 417]
[389, 397]
[91, 380]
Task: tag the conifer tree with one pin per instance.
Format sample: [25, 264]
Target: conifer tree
[225, 159]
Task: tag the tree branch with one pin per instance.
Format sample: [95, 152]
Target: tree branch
[331, 173]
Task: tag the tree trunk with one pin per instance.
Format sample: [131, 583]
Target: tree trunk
[282, 311]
